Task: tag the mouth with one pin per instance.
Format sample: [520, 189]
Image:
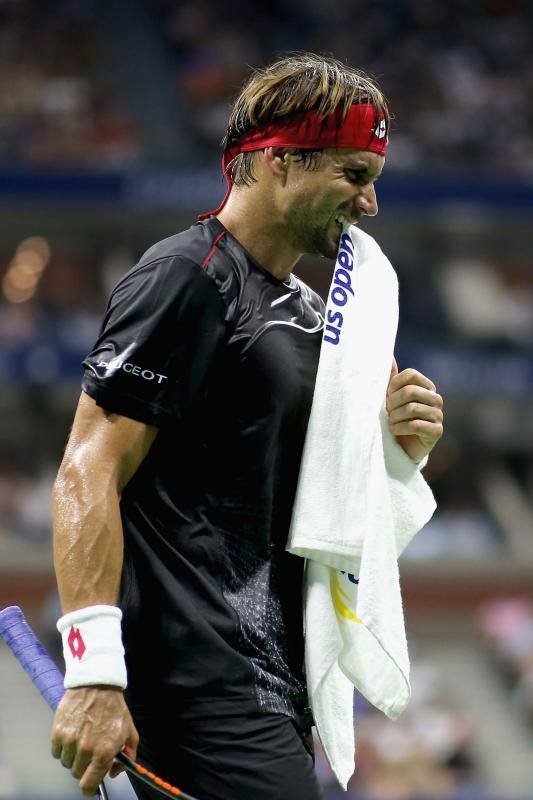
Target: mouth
[341, 221]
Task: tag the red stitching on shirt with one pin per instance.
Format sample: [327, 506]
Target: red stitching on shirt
[211, 253]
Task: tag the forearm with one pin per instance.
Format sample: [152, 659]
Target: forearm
[88, 538]
[104, 451]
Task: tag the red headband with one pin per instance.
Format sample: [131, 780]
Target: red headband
[361, 129]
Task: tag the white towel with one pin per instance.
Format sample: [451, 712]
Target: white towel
[359, 502]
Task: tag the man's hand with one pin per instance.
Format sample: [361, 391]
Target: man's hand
[92, 724]
[415, 411]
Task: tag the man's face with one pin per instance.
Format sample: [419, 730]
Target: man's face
[317, 200]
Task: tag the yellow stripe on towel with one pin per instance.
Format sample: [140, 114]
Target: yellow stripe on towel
[337, 595]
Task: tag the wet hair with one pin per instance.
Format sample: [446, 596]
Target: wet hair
[298, 82]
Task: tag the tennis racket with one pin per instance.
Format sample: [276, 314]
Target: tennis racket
[32, 656]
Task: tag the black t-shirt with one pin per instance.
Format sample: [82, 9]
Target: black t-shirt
[201, 341]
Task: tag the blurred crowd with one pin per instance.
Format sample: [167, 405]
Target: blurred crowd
[459, 78]
[426, 753]
[507, 626]
[489, 300]
[458, 75]
[58, 104]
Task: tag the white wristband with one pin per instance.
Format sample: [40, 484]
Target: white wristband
[92, 647]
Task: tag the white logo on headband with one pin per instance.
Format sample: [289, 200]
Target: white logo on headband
[381, 130]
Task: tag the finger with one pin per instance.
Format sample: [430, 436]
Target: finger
[410, 376]
[429, 432]
[413, 394]
[132, 743]
[68, 754]
[393, 373]
[81, 761]
[95, 774]
[57, 747]
[415, 411]
[130, 748]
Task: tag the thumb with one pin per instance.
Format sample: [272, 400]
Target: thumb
[393, 373]
[132, 742]
[131, 751]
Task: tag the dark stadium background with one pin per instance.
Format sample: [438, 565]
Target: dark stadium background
[111, 114]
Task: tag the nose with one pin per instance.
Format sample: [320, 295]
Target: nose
[366, 200]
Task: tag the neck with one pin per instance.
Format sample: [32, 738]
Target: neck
[252, 220]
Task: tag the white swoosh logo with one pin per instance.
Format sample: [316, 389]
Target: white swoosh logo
[274, 323]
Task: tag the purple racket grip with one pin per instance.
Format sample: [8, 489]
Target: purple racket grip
[31, 655]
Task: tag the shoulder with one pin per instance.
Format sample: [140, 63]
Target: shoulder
[190, 260]
[192, 244]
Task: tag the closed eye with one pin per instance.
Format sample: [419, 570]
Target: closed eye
[360, 176]
[356, 176]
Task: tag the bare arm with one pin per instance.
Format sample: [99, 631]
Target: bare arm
[104, 451]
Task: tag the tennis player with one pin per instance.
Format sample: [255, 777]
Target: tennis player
[174, 498]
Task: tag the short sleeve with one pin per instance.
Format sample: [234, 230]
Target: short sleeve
[163, 325]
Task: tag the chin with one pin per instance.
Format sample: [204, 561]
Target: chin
[326, 244]
[331, 247]
[329, 252]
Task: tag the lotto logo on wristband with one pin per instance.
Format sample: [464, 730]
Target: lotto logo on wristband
[96, 656]
[76, 643]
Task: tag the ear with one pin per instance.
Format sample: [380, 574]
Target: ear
[277, 160]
